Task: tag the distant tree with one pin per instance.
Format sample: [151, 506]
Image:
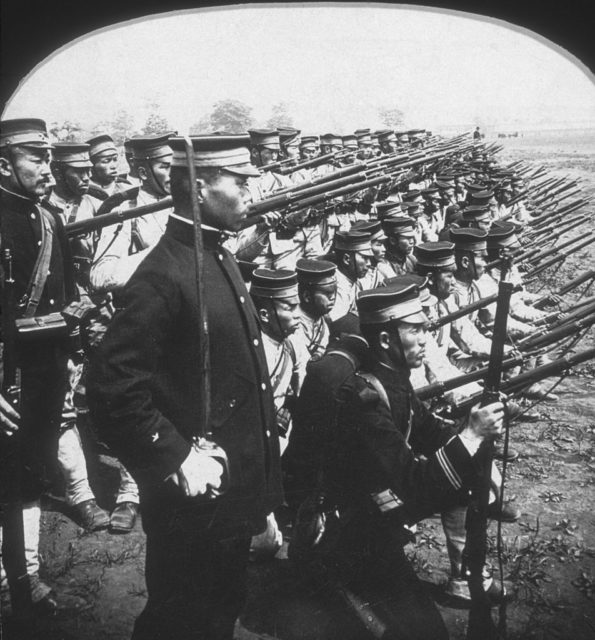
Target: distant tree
[230, 115]
[202, 126]
[66, 131]
[390, 117]
[280, 116]
[119, 128]
[155, 124]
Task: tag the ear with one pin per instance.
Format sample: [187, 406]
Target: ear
[201, 186]
[383, 340]
[264, 316]
[346, 259]
[142, 173]
[307, 296]
[465, 263]
[5, 167]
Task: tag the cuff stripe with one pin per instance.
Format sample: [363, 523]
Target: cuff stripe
[448, 469]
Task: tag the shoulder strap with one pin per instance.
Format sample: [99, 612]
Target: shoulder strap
[372, 380]
[42, 264]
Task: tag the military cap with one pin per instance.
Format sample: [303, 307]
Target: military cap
[101, 144]
[26, 132]
[385, 209]
[73, 154]
[435, 255]
[361, 132]
[386, 135]
[481, 197]
[501, 235]
[397, 301]
[309, 141]
[415, 132]
[150, 147]
[402, 136]
[331, 139]
[399, 226]
[355, 241]
[276, 284]
[432, 190]
[230, 153]
[288, 136]
[267, 138]
[315, 272]
[466, 239]
[476, 212]
[517, 180]
[425, 297]
[350, 141]
[247, 268]
[412, 207]
[473, 187]
[373, 227]
[364, 138]
[445, 185]
[411, 195]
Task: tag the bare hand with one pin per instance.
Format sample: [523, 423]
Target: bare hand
[198, 473]
[8, 417]
[271, 219]
[486, 421]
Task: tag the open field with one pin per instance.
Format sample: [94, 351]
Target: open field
[549, 554]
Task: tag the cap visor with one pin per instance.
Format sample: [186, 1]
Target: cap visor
[248, 170]
[416, 318]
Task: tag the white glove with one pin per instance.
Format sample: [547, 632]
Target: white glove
[198, 473]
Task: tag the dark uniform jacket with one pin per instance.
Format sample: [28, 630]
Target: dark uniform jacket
[42, 362]
[404, 449]
[144, 384]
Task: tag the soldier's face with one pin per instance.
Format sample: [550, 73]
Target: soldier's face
[292, 152]
[307, 153]
[366, 151]
[413, 341]
[480, 264]
[225, 201]
[378, 249]
[156, 176]
[28, 173]
[405, 244]
[267, 156]
[105, 168]
[320, 300]
[285, 319]
[361, 264]
[445, 284]
[77, 180]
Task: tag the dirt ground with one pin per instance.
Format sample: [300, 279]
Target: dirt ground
[549, 554]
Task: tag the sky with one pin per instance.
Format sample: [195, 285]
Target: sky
[335, 66]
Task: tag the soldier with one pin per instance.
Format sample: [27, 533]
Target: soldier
[349, 144]
[391, 464]
[374, 277]
[400, 232]
[353, 255]
[388, 141]
[122, 247]
[289, 142]
[309, 147]
[143, 394]
[71, 167]
[317, 289]
[104, 173]
[277, 248]
[477, 216]
[364, 143]
[132, 175]
[71, 170]
[43, 284]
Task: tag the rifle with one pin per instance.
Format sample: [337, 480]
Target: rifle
[542, 220]
[536, 257]
[523, 380]
[559, 258]
[14, 536]
[481, 626]
[442, 386]
[552, 227]
[566, 328]
[470, 308]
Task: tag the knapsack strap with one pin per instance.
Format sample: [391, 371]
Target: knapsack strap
[42, 264]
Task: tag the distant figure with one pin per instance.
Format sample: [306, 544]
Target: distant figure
[476, 134]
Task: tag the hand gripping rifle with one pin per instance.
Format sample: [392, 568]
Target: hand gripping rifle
[14, 537]
[481, 626]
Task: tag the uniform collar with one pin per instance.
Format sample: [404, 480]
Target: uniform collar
[181, 228]
[16, 201]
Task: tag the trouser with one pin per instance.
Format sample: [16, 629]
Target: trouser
[389, 601]
[31, 518]
[195, 581]
[71, 457]
[453, 523]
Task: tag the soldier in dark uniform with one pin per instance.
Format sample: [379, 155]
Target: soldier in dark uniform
[391, 464]
[44, 283]
[143, 392]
